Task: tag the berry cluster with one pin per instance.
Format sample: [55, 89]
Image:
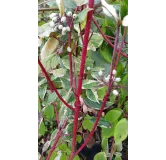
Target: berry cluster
[107, 78]
[59, 23]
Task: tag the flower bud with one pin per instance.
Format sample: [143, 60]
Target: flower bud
[125, 21]
[60, 27]
[53, 15]
[55, 19]
[68, 28]
[114, 72]
[117, 79]
[68, 49]
[100, 73]
[69, 13]
[63, 19]
[88, 68]
[52, 24]
[107, 79]
[74, 16]
[115, 92]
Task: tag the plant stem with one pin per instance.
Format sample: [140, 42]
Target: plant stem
[105, 97]
[56, 140]
[121, 46]
[52, 85]
[105, 37]
[48, 9]
[81, 74]
[56, 114]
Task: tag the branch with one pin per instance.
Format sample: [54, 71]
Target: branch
[52, 85]
[48, 9]
[105, 97]
[105, 37]
[121, 46]
[56, 140]
[81, 74]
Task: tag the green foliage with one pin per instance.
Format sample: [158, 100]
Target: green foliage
[52, 50]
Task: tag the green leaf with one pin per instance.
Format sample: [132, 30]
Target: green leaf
[100, 156]
[82, 15]
[44, 30]
[104, 145]
[49, 112]
[106, 132]
[42, 91]
[118, 157]
[39, 105]
[80, 2]
[69, 131]
[87, 124]
[102, 122]
[79, 138]
[51, 97]
[54, 155]
[59, 72]
[89, 84]
[95, 105]
[121, 131]
[42, 128]
[92, 95]
[106, 51]
[101, 92]
[113, 115]
[76, 157]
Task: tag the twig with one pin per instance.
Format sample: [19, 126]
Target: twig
[56, 114]
[48, 9]
[52, 85]
[56, 140]
[81, 74]
[121, 46]
[105, 97]
[105, 37]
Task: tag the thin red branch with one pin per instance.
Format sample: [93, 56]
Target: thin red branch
[52, 85]
[56, 140]
[121, 46]
[105, 37]
[81, 74]
[105, 97]
[56, 114]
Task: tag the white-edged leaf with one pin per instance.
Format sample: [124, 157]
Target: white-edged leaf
[89, 84]
[61, 7]
[44, 30]
[59, 72]
[92, 95]
[81, 2]
[46, 146]
[49, 47]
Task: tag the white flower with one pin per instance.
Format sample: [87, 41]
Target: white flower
[117, 79]
[68, 49]
[68, 28]
[64, 29]
[63, 19]
[109, 10]
[69, 13]
[55, 29]
[55, 19]
[74, 16]
[53, 15]
[100, 73]
[107, 79]
[114, 72]
[63, 33]
[115, 92]
[125, 21]
[52, 24]
[60, 26]
[88, 68]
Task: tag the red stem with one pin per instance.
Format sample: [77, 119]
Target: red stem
[81, 74]
[56, 140]
[56, 114]
[105, 97]
[121, 46]
[52, 85]
[105, 37]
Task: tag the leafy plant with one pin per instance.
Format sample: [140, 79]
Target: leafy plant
[83, 78]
